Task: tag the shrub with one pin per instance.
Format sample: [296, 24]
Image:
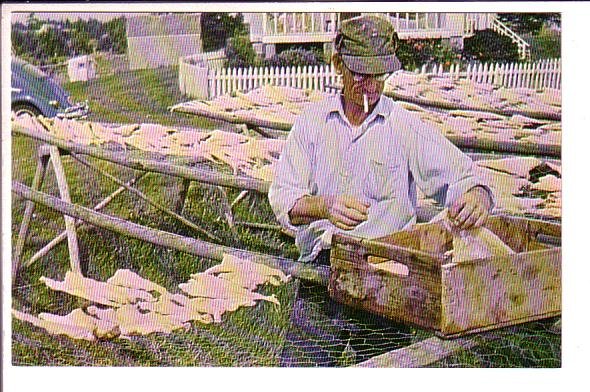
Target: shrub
[546, 44]
[488, 46]
[414, 53]
[240, 53]
[295, 57]
[217, 27]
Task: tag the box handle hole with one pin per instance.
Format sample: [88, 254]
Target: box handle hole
[391, 266]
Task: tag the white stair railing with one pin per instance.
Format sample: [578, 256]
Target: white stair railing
[524, 48]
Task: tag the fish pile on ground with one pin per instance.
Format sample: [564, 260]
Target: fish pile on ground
[254, 157]
[127, 304]
[483, 96]
[522, 185]
[278, 104]
[488, 126]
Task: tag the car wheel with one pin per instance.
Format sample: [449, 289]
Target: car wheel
[26, 109]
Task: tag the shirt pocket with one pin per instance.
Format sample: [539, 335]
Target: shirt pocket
[382, 180]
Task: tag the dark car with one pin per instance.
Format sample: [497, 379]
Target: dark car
[34, 93]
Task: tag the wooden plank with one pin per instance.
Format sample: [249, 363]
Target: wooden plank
[500, 291]
[413, 298]
[421, 354]
[316, 274]
[29, 209]
[64, 191]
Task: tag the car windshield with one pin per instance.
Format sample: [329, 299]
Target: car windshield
[31, 69]
[35, 71]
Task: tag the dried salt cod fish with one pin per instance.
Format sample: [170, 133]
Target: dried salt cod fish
[472, 244]
[133, 321]
[502, 184]
[206, 285]
[216, 307]
[27, 122]
[246, 273]
[478, 243]
[519, 205]
[265, 173]
[73, 131]
[177, 308]
[476, 114]
[97, 292]
[226, 103]
[526, 121]
[520, 166]
[56, 328]
[411, 106]
[548, 183]
[129, 279]
[188, 138]
[102, 329]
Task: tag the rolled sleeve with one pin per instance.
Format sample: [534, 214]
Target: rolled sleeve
[292, 175]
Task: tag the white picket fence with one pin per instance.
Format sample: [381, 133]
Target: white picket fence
[227, 80]
[538, 75]
[204, 82]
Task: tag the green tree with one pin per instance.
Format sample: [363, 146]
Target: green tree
[489, 46]
[52, 43]
[115, 29]
[217, 27]
[532, 23]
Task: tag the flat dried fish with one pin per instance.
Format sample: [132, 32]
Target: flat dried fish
[96, 291]
[128, 278]
[246, 273]
[56, 328]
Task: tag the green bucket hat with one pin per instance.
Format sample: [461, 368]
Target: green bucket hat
[367, 45]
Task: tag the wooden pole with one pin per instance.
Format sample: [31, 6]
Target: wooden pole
[42, 160]
[144, 197]
[64, 192]
[420, 354]
[153, 165]
[316, 274]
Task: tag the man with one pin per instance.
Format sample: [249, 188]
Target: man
[352, 162]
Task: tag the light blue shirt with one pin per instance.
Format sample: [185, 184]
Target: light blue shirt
[380, 162]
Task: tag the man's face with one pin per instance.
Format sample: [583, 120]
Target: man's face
[356, 85]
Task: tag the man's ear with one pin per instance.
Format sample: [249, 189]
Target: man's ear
[337, 61]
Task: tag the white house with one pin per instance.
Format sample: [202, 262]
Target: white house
[269, 29]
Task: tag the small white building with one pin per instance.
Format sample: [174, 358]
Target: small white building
[160, 39]
[81, 68]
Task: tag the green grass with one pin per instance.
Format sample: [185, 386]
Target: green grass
[247, 337]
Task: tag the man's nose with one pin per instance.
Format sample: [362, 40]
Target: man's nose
[370, 86]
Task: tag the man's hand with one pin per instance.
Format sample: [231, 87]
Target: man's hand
[472, 209]
[345, 212]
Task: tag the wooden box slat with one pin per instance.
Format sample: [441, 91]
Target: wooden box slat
[452, 299]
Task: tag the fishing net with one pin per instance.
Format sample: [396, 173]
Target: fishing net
[307, 330]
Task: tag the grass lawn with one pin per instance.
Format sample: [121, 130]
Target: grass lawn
[247, 337]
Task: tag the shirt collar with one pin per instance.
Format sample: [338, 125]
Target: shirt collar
[334, 106]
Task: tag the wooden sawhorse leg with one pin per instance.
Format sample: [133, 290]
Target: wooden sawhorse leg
[42, 160]
[64, 192]
[46, 153]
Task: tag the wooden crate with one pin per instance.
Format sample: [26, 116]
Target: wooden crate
[428, 289]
